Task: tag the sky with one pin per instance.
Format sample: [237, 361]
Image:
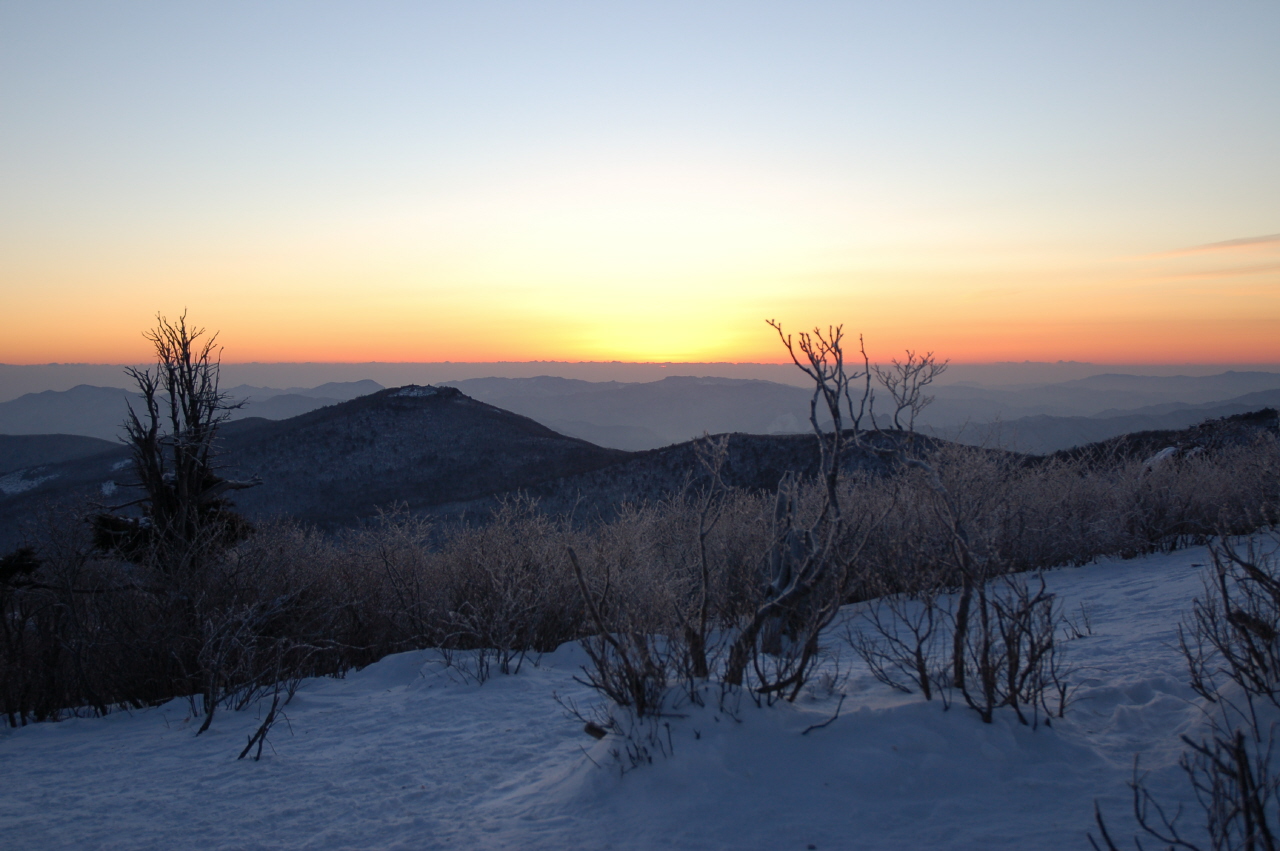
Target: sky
[495, 181]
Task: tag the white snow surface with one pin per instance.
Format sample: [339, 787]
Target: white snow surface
[407, 754]
[22, 480]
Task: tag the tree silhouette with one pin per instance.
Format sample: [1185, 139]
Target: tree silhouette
[184, 510]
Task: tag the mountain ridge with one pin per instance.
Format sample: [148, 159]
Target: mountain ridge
[435, 451]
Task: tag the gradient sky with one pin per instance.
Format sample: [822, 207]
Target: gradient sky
[646, 181]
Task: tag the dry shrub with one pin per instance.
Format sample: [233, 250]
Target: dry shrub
[969, 518]
[506, 588]
[1025, 514]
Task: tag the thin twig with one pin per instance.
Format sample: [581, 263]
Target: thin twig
[813, 727]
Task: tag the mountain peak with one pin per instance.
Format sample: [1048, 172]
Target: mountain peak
[417, 391]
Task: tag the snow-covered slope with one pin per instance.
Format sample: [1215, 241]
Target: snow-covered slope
[408, 754]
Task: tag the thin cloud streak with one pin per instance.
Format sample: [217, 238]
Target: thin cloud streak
[1227, 245]
[1227, 273]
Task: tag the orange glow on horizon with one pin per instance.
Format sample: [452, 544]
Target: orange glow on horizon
[1213, 304]
[1171, 341]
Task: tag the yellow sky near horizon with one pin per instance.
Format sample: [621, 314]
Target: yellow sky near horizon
[1215, 304]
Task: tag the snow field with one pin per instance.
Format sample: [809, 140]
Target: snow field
[408, 754]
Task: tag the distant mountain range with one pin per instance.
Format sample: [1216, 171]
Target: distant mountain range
[1045, 434]
[101, 411]
[419, 447]
[1043, 418]
[1105, 395]
[433, 450]
[648, 415]
[34, 450]
[636, 416]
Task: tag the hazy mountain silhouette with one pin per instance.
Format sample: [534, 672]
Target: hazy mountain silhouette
[1042, 418]
[435, 450]
[1044, 434]
[35, 450]
[84, 410]
[439, 452]
[340, 391]
[421, 446]
[1099, 395]
[101, 411]
[648, 415]
[417, 446]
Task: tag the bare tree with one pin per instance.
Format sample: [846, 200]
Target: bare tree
[905, 380]
[902, 644]
[866, 404]
[184, 506]
[712, 453]
[812, 567]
